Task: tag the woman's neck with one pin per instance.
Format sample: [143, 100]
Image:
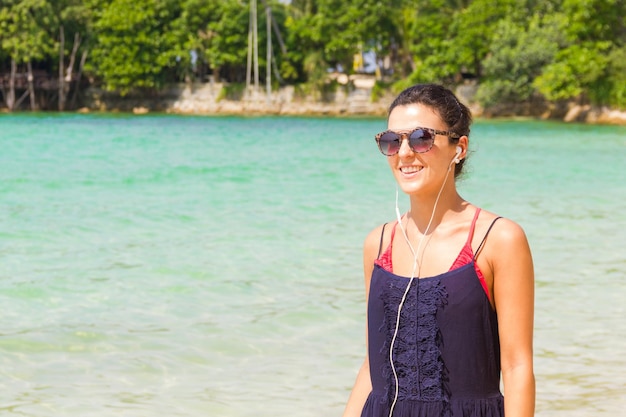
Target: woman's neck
[425, 210]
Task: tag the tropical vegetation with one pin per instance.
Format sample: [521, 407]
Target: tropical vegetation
[513, 50]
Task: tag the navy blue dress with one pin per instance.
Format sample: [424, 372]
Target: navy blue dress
[447, 352]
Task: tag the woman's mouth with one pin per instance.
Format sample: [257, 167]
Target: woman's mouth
[410, 170]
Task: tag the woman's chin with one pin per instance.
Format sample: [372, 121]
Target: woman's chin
[409, 188]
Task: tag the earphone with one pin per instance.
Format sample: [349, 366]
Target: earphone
[458, 153]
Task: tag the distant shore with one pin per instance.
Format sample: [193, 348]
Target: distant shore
[354, 99]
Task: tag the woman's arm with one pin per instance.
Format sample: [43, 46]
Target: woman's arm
[363, 384]
[513, 288]
[360, 391]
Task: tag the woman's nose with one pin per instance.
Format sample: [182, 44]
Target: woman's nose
[405, 149]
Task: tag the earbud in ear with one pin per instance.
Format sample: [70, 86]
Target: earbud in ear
[458, 153]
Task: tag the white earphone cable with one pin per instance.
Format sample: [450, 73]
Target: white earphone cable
[416, 267]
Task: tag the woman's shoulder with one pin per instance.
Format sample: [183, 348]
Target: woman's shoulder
[377, 237]
[501, 226]
[374, 235]
[504, 234]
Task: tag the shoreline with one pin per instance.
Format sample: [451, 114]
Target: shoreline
[352, 98]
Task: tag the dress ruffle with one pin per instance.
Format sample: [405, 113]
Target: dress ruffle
[375, 406]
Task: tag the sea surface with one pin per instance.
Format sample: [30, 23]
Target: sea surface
[164, 265]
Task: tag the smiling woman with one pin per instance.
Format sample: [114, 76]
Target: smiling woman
[449, 309]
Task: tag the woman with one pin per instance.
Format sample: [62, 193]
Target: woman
[449, 286]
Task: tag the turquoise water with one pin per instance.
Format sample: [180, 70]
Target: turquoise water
[211, 266]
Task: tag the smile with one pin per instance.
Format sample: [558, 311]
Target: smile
[410, 169]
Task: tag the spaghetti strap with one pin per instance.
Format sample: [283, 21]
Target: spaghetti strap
[380, 246]
[470, 235]
[482, 242]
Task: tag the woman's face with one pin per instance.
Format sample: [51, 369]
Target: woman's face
[418, 173]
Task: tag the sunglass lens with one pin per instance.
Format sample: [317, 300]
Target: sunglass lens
[421, 140]
[389, 143]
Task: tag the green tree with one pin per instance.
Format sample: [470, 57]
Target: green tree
[72, 29]
[519, 51]
[135, 46]
[304, 43]
[346, 26]
[575, 69]
[214, 34]
[591, 65]
[227, 39]
[23, 35]
[616, 80]
[447, 37]
[428, 36]
[190, 29]
[327, 34]
[474, 32]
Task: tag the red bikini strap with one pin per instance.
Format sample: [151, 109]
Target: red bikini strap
[393, 233]
[472, 227]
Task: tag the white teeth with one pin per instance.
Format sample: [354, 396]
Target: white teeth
[410, 170]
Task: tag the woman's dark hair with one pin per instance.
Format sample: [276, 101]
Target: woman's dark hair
[454, 114]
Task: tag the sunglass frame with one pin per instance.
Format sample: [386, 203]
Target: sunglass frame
[407, 135]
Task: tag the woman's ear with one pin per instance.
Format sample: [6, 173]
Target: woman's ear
[463, 144]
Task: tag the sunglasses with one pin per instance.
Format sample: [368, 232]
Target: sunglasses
[421, 139]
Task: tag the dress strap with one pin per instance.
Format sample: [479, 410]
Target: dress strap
[482, 242]
[380, 245]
